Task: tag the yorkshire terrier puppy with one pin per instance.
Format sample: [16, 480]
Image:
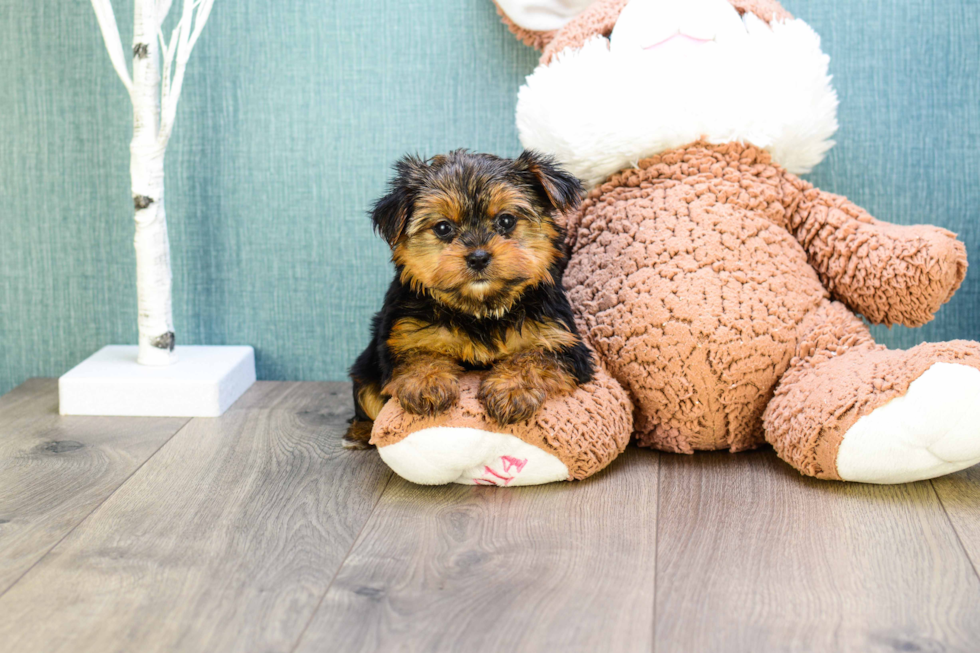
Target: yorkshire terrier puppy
[479, 258]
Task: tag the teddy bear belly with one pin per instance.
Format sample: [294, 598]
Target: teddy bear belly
[696, 315]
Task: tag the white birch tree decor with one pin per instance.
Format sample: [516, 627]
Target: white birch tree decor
[154, 91]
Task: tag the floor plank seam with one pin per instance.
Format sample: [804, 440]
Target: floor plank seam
[302, 633]
[956, 532]
[656, 557]
[92, 511]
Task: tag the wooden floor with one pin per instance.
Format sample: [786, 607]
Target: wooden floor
[257, 532]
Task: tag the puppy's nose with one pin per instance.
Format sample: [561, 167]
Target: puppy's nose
[478, 259]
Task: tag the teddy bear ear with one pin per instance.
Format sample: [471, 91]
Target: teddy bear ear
[767, 10]
[535, 22]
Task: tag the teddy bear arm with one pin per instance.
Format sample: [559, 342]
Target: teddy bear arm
[891, 274]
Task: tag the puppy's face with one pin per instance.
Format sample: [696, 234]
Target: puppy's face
[475, 231]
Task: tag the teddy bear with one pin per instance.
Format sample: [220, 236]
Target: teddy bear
[719, 292]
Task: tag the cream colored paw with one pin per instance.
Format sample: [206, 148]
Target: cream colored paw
[446, 454]
[933, 430]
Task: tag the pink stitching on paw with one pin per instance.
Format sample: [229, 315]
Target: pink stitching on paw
[510, 461]
[505, 479]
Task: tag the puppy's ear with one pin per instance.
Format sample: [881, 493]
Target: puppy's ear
[562, 190]
[390, 215]
[392, 212]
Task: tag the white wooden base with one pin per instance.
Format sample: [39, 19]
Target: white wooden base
[203, 382]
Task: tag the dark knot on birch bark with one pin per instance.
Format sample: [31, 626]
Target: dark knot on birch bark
[141, 201]
[166, 341]
[141, 50]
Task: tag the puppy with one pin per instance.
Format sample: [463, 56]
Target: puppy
[479, 258]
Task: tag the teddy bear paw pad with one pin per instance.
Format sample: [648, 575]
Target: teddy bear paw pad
[932, 430]
[445, 454]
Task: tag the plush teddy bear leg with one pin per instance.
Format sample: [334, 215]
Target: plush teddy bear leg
[849, 409]
[570, 437]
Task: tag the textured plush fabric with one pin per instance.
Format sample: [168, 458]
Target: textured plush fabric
[536, 40]
[794, 120]
[837, 376]
[889, 273]
[695, 278]
[600, 18]
[719, 290]
[291, 114]
[767, 10]
[585, 430]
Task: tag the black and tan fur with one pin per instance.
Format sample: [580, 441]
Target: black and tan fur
[443, 314]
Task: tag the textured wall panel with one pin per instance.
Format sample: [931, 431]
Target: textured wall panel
[293, 111]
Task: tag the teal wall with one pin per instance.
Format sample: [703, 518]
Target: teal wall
[292, 112]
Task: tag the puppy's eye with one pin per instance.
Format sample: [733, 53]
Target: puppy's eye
[506, 222]
[443, 229]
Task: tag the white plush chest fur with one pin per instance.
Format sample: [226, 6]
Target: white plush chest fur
[599, 110]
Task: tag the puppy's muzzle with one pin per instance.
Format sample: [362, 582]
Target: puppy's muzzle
[478, 259]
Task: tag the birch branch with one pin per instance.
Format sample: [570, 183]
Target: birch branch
[113, 44]
[182, 42]
[152, 91]
[168, 52]
[203, 13]
[163, 8]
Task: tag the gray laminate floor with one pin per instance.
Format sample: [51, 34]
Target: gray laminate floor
[257, 532]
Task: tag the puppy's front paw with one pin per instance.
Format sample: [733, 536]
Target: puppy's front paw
[428, 394]
[355, 445]
[358, 436]
[509, 399]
